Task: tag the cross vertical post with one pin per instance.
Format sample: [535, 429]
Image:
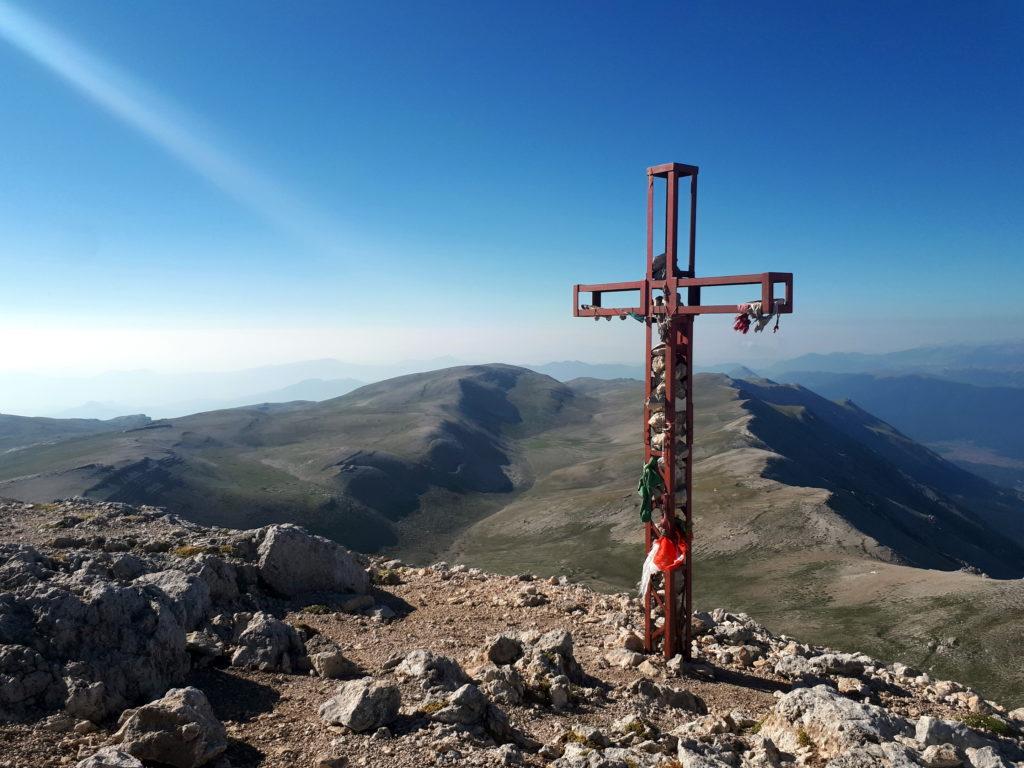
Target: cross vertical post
[668, 389]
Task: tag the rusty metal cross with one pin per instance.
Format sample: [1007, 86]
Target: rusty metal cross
[668, 315]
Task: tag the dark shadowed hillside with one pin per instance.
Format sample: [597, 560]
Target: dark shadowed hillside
[978, 427]
[929, 512]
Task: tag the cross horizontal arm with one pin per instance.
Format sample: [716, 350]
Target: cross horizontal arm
[646, 307]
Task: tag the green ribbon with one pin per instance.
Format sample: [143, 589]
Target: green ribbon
[650, 483]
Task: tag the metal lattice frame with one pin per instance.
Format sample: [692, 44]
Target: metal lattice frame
[669, 316]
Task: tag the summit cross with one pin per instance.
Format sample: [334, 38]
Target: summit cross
[669, 300]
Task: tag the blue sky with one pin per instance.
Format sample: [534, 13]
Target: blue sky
[364, 180]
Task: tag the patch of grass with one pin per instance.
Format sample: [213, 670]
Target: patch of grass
[386, 577]
[986, 723]
[191, 550]
[803, 739]
[317, 609]
[133, 519]
[431, 707]
[579, 738]
[636, 727]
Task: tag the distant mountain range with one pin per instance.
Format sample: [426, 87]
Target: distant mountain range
[567, 370]
[356, 466]
[168, 395]
[1000, 364]
[963, 401]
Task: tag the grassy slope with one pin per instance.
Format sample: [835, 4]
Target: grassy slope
[408, 461]
[19, 432]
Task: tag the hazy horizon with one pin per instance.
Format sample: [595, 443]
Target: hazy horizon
[171, 393]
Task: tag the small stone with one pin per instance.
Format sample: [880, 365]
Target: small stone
[83, 727]
[560, 695]
[986, 757]
[507, 754]
[620, 657]
[852, 686]
[110, 757]
[650, 668]
[941, 756]
[357, 604]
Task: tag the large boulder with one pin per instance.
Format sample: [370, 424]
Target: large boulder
[20, 565]
[432, 670]
[179, 730]
[829, 721]
[27, 682]
[270, 645]
[986, 757]
[186, 595]
[667, 696]
[293, 562]
[847, 664]
[689, 758]
[466, 705]
[220, 576]
[502, 684]
[362, 705]
[888, 754]
[931, 731]
[549, 668]
[113, 644]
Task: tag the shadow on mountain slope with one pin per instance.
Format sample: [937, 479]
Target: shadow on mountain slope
[899, 493]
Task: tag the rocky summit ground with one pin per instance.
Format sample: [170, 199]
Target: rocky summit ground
[130, 637]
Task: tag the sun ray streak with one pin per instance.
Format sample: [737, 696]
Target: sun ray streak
[165, 124]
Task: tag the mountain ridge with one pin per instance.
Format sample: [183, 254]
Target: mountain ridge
[504, 468]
